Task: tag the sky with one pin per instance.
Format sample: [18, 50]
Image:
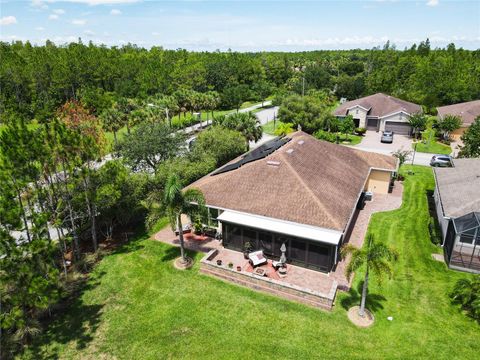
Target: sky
[242, 25]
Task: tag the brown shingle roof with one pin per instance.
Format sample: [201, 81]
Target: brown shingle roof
[315, 183]
[467, 111]
[379, 105]
[459, 187]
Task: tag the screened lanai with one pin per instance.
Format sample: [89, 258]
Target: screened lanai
[463, 244]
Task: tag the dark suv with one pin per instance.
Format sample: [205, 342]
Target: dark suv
[441, 160]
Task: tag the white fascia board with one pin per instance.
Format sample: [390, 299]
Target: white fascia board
[303, 231]
[360, 106]
[394, 113]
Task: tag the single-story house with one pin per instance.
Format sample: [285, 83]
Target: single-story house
[294, 190]
[380, 112]
[457, 200]
[467, 111]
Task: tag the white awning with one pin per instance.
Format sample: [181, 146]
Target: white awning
[281, 226]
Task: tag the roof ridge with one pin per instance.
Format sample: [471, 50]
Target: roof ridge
[307, 188]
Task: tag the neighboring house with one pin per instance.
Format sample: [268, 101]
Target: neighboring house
[467, 111]
[380, 112]
[457, 200]
[296, 191]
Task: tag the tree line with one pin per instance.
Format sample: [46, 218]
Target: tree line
[36, 80]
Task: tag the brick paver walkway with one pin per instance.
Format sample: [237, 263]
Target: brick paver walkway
[381, 202]
[195, 243]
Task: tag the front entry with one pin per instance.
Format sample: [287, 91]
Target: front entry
[372, 124]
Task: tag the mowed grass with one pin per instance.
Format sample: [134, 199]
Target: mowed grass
[137, 306]
[433, 147]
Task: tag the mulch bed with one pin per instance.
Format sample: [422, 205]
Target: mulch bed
[365, 321]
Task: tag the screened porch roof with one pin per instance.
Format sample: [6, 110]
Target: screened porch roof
[281, 226]
[467, 223]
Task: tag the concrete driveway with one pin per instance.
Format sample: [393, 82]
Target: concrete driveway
[371, 142]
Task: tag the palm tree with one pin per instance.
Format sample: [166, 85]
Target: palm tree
[177, 202]
[375, 256]
[245, 123]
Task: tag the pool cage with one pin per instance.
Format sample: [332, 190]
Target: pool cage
[462, 244]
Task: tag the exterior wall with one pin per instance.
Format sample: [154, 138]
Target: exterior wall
[359, 113]
[267, 285]
[378, 181]
[441, 219]
[458, 133]
[400, 117]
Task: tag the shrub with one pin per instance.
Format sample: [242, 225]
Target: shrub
[467, 293]
[325, 135]
[360, 131]
[433, 229]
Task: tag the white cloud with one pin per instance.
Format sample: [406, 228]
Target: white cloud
[53, 17]
[432, 3]
[115, 12]
[39, 4]
[59, 11]
[39, 28]
[89, 32]
[8, 20]
[80, 22]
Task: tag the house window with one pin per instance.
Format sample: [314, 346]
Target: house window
[356, 111]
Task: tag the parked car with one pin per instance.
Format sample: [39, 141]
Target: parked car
[387, 137]
[441, 160]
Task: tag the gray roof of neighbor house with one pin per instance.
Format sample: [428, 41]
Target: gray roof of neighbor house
[467, 111]
[306, 181]
[459, 187]
[379, 105]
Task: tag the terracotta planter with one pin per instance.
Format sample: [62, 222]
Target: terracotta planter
[239, 268]
[219, 262]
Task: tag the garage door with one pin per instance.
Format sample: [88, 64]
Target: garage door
[398, 128]
[372, 124]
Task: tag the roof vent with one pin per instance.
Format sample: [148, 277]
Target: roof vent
[273, 163]
[289, 151]
[301, 142]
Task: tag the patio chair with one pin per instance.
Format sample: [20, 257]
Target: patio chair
[257, 258]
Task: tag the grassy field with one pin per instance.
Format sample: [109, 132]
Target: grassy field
[434, 147]
[269, 127]
[137, 306]
[429, 143]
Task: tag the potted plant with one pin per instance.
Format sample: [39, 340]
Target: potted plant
[219, 262]
[197, 226]
[239, 268]
[230, 265]
[247, 249]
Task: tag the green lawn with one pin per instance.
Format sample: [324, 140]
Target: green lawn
[204, 116]
[268, 128]
[434, 147]
[429, 143]
[137, 306]
[351, 140]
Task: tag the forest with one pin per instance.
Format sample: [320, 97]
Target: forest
[37, 80]
[63, 206]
